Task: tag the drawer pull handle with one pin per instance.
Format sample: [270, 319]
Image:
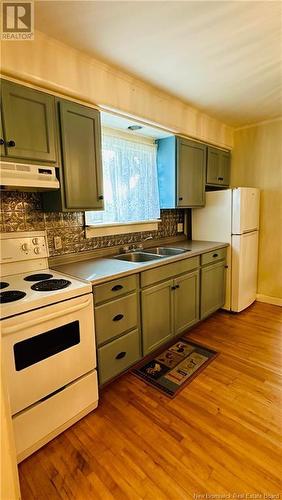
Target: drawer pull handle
[220, 178]
[215, 255]
[121, 355]
[118, 317]
[116, 288]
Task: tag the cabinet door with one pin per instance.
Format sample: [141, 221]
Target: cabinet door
[213, 166]
[225, 168]
[186, 301]
[157, 316]
[212, 288]
[191, 166]
[2, 142]
[218, 167]
[29, 123]
[81, 149]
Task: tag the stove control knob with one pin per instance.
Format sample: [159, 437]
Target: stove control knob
[24, 247]
[35, 241]
[37, 250]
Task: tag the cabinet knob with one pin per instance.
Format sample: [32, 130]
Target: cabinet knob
[116, 288]
[2, 142]
[177, 286]
[173, 287]
[118, 317]
[180, 198]
[220, 178]
[100, 197]
[121, 355]
[10, 144]
[215, 255]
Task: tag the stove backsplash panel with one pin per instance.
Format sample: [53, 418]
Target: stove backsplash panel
[23, 212]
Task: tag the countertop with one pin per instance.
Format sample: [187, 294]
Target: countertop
[104, 269]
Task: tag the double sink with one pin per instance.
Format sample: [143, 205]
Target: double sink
[150, 254]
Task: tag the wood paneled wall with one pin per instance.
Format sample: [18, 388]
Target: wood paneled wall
[55, 66]
[257, 162]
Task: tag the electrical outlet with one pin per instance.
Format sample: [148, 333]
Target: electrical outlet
[180, 227]
[58, 242]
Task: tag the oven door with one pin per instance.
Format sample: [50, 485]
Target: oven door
[45, 349]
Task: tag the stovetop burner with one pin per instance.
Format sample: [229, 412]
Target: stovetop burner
[3, 284]
[11, 296]
[49, 285]
[38, 277]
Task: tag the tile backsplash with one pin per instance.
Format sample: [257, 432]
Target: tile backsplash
[23, 212]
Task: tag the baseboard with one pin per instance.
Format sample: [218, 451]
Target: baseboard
[276, 301]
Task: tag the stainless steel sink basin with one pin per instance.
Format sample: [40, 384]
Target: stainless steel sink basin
[137, 257]
[165, 251]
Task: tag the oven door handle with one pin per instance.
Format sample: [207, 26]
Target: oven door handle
[43, 319]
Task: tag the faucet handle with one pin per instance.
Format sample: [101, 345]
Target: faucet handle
[125, 249]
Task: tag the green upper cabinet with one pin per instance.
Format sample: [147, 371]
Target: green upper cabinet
[218, 167]
[191, 163]
[2, 141]
[181, 172]
[29, 124]
[81, 156]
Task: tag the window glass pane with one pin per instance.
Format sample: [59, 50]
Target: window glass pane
[130, 182]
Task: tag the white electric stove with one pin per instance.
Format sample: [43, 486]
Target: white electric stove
[48, 342]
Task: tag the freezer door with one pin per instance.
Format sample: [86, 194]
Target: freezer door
[245, 210]
[244, 270]
[213, 222]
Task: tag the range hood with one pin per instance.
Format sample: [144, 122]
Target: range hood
[27, 177]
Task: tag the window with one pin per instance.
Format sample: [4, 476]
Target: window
[130, 181]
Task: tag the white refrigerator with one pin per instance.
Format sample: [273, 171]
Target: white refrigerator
[232, 216]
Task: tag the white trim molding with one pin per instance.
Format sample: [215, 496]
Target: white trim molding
[120, 228]
[276, 301]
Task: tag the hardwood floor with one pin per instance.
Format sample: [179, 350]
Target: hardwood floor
[220, 435]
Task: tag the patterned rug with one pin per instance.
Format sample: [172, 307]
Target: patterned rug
[174, 368]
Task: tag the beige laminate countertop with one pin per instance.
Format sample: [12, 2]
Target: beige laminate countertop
[104, 269]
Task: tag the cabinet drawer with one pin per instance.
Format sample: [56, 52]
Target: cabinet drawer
[118, 355]
[116, 317]
[214, 256]
[114, 288]
[165, 272]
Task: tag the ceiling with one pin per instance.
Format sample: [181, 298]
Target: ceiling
[222, 57]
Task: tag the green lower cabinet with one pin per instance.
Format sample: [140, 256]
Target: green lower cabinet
[212, 288]
[116, 317]
[118, 355]
[157, 316]
[186, 301]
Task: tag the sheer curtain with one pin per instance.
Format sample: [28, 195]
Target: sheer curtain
[130, 181]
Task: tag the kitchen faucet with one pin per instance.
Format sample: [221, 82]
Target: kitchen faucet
[134, 248]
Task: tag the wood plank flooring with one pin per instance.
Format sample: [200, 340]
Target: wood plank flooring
[219, 436]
